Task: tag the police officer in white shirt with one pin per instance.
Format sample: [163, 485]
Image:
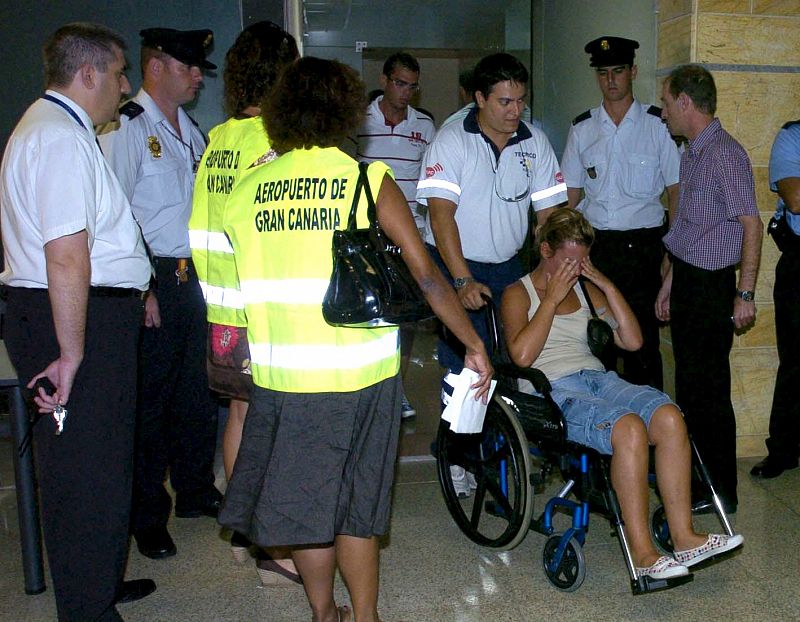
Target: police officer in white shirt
[76, 271]
[155, 152]
[618, 161]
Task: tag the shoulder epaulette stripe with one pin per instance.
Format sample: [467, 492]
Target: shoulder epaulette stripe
[786, 126]
[655, 111]
[582, 117]
[131, 109]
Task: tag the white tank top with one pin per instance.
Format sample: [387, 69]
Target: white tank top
[566, 350]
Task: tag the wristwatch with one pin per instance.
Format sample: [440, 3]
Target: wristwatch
[746, 295]
[462, 281]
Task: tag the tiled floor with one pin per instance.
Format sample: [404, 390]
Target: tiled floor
[430, 572]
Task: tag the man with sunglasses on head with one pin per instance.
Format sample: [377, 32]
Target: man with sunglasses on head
[398, 134]
[618, 161]
[479, 180]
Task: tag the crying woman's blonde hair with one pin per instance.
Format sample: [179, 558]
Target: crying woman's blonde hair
[564, 225]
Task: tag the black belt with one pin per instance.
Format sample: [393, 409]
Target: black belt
[116, 292]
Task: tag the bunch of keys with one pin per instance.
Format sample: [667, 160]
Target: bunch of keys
[182, 273]
[60, 415]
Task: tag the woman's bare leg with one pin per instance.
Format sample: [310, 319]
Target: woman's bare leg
[232, 437]
[358, 560]
[667, 433]
[629, 463]
[317, 566]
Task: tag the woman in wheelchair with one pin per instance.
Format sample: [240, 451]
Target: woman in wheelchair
[545, 318]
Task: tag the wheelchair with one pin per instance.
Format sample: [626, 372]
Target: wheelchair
[522, 441]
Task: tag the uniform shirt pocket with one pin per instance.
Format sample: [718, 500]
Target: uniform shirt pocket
[162, 182]
[644, 175]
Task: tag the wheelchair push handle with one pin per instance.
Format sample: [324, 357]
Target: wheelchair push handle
[500, 358]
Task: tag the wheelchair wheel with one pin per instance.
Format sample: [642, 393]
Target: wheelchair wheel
[660, 530]
[498, 512]
[570, 573]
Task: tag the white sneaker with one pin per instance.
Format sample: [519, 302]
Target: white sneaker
[664, 568]
[463, 481]
[716, 544]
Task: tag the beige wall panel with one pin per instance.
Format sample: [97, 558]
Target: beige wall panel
[766, 281]
[747, 40]
[670, 9]
[754, 106]
[752, 383]
[762, 333]
[675, 42]
[765, 197]
[777, 7]
[723, 6]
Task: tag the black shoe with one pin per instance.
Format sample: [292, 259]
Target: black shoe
[203, 504]
[135, 590]
[771, 467]
[155, 543]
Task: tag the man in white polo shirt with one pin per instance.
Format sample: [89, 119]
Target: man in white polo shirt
[398, 134]
[479, 180]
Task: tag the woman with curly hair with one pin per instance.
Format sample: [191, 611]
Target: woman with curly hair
[251, 66]
[316, 463]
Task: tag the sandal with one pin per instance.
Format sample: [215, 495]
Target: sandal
[272, 574]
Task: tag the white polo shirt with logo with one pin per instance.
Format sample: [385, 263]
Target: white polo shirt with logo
[492, 191]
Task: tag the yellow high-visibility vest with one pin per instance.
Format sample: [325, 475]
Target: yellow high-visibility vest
[233, 147]
[280, 221]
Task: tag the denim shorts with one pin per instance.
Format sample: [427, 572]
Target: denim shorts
[593, 401]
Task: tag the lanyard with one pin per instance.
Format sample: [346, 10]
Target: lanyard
[66, 107]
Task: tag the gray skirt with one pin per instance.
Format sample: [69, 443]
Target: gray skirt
[312, 466]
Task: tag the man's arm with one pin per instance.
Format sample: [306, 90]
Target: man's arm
[744, 312]
[789, 191]
[574, 196]
[673, 195]
[68, 278]
[448, 243]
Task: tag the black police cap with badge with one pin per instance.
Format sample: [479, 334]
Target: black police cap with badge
[608, 51]
[188, 46]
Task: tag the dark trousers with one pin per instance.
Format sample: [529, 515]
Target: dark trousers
[701, 306]
[632, 260]
[784, 421]
[85, 473]
[177, 417]
[496, 276]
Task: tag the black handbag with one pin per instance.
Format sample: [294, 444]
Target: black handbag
[598, 332]
[370, 285]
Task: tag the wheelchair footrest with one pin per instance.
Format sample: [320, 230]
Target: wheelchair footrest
[646, 584]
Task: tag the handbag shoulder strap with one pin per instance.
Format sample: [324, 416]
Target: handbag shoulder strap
[362, 175]
[363, 166]
[363, 182]
[588, 297]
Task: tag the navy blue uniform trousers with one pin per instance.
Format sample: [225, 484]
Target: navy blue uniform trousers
[84, 474]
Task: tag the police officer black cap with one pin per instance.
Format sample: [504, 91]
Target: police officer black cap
[187, 46]
[608, 51]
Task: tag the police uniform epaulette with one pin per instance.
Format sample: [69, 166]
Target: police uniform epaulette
[786, 126]
[131, 109]
[655, 111]
[582, 117]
